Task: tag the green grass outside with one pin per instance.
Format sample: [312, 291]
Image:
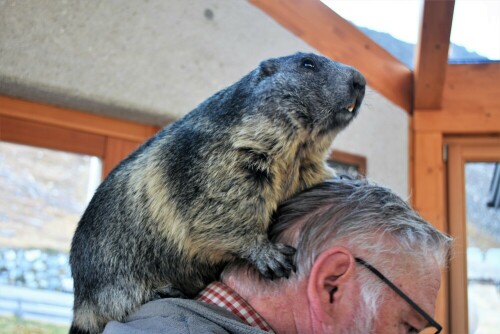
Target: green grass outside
[13, 325]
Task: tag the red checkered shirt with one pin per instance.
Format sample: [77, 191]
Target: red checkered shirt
[219, 294]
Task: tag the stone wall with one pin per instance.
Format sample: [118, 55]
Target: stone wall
[36, 269]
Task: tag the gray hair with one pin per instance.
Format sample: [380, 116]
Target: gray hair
[367, 218]
[370, 220]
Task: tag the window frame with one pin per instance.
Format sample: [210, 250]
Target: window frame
[350, 159]
[42, 125]
[460, 151]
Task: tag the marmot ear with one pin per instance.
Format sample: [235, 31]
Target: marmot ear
[268, 67]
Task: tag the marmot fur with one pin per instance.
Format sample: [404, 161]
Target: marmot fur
[200, 193]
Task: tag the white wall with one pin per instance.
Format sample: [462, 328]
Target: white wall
[380, 133]
[155, 60]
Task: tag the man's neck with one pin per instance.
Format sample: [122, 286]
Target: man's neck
[278, 309]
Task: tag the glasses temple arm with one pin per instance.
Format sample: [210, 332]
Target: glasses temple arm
[400, 293]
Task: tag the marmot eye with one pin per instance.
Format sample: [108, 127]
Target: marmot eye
[308, 63]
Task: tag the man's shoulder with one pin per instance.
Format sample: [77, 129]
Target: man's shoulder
[177, 316]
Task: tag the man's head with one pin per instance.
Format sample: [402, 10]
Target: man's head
[332, 225]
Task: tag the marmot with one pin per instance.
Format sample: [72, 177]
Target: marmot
[201, 192]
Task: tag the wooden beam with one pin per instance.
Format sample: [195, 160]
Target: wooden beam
[334, 37]
[472, 87]
[116, 150]
[452, 121]
[411, 159]
[49, 136]
[428, 198]
[432, 53]
[457, 217]
[471, 102]
[428, 195]
[76, 120]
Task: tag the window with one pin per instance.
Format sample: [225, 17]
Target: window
[51, 162]
[483, 249]
[346, 163]
[475, 225]
[43, 193]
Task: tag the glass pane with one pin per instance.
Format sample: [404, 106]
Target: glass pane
[483, 248]
[42, 196]
[394, 25]
[475, 32]
[343, 168]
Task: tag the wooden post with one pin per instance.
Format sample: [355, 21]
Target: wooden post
[429, 197]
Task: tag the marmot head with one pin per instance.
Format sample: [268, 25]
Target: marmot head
[322, 95]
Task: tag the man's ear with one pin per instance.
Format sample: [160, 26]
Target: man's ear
[330, 283]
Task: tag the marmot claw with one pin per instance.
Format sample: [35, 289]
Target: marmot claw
[274, 260]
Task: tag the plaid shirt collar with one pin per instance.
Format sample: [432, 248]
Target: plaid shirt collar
[219, 294]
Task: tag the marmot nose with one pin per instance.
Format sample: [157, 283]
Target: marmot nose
[358, 83]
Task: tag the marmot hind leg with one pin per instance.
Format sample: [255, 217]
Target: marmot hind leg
[86, 321]
[111, 302]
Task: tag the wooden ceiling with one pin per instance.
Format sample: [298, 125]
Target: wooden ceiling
[421, 89]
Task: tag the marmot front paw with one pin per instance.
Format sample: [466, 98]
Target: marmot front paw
[273, 260]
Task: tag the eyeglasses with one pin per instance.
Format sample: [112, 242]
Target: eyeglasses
[430, 320]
